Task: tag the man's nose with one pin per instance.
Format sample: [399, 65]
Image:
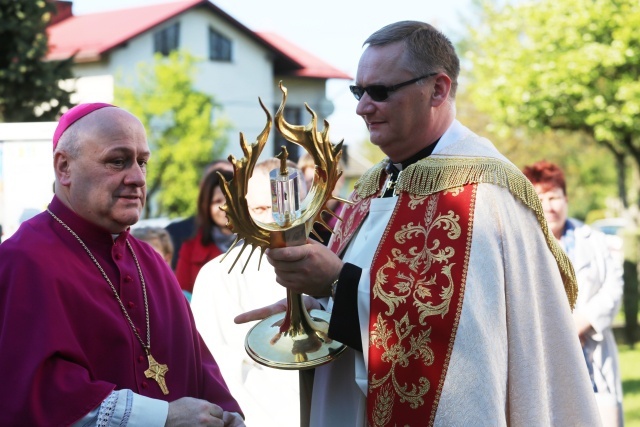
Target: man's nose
[136, 176]
[365, 105]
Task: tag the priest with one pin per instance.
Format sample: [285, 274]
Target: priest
[443, 279]
[94, 327]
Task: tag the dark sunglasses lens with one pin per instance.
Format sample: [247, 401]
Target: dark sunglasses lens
[357, 91]
[377, 92]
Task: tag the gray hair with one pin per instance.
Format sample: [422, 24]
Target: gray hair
[69, 142]
[427, 49]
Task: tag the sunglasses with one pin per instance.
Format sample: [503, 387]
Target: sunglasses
[381, 93]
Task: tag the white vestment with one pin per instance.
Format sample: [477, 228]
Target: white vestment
[516, 358]
[267, 396]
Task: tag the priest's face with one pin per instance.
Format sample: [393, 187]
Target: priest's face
[107, 176]
[396, 123]
[555, 207]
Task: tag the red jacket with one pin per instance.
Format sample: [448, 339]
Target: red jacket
[193, 256]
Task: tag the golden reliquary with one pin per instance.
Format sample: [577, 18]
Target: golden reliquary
[295, 339]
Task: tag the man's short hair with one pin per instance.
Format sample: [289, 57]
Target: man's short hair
[427, 49]
[69, 143]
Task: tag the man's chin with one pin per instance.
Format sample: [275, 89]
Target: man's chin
[129, 218]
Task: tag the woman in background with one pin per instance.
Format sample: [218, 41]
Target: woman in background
[212, 237]
[599, 287]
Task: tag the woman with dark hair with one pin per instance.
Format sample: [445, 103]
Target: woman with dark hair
[212, 237]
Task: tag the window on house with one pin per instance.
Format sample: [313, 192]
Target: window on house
[219, 46]
[293, 116]
[167, 39]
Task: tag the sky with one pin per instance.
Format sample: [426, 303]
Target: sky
[333, 30]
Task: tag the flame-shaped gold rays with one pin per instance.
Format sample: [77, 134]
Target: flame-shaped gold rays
[326, 156]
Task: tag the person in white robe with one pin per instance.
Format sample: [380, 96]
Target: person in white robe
[269, 397]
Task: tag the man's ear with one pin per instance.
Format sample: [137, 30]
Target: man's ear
[441, 89]
[62, 168]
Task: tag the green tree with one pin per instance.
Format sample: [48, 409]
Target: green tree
[182, 134]
[29, 85]
[571, 65]
[591, 178]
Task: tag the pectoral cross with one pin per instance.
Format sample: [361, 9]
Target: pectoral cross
[156, 371]
[390, 186]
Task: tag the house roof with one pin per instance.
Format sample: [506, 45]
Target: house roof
[310, 65]
[91, 36]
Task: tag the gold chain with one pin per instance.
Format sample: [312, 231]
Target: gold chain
[146, 347]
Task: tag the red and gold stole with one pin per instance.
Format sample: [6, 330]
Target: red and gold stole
[418, 281]
[352, 216]
[417, 278]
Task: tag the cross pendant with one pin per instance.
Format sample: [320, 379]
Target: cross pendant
[390, 185]
[156, 371]
[389, 188]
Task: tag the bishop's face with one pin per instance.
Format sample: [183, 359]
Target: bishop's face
[107, 179]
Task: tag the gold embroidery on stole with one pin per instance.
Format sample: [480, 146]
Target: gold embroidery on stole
[434, 174]
[416, 284]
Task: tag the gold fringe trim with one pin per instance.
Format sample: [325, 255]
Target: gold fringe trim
[435, 174]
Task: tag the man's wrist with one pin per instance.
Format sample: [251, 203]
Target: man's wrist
[333, 287]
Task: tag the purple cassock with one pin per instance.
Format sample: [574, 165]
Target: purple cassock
[65, 343]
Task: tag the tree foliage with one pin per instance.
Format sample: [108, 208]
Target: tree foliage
[29, 85]
[571, 65]
[591, 179]
[183, 135]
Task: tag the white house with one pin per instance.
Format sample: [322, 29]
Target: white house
[239, 66]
